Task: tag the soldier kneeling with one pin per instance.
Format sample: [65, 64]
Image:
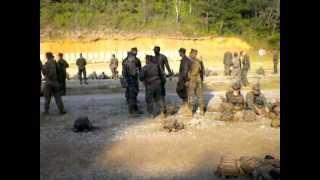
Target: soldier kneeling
[256, 101]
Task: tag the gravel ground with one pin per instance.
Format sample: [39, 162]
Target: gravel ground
[137, 148]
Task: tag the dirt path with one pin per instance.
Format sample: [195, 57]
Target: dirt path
[136, 148]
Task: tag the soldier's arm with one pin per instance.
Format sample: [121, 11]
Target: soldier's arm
[202, 73]
[84, 61]
[77, 62]
[67, 65]
[138, 63]
[141, 75]
[166, 63]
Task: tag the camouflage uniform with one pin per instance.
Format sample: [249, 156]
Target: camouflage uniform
[62, 66]
[236, 69]
[244, 70]
[275, 62]
[51, 87]
[227, 61]
[153, 78]
[131, 67]
[113, 67]
[236, 100]
[185, 66]
[81, 63]
[256, 101]
[162, 61]
[195, 84]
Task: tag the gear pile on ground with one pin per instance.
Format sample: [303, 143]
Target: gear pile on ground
[171, 124]
[82, 124]
[267, 168]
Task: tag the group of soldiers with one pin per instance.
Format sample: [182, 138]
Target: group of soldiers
[189, 85]
[237, 66]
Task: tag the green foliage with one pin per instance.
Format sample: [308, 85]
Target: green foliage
[252, 19]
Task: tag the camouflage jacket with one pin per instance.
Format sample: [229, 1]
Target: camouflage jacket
[162, 61]
[50, 73]
[132, 80]
[81, 63]
[113, 63]
[246, 63]
[258, 101]
[275, 57]
[184, 69]
[227, 58]
[236, 63]
[236, 101]
[197, 71]
[62, 67]
[152, 74]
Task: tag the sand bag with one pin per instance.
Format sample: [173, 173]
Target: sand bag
[228, 167]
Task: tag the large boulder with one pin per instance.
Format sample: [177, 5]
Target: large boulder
[215, 104]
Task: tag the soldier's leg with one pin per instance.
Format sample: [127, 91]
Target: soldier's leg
[127, 95]
[149, 100]
[163, 92]
[85, 75]
[64, 86]
[226, 71]
[58, 100]
[275, 67]
[132, 99]
[199, 94]
[47, 98]
[80, 75]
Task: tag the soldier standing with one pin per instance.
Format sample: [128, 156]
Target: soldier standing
[195, 85]
[245, 69]
[153, 78]
[131, 69]
[236, 67]
[51, 87]
[185, 65]
[235, 97]
[227, 61]
[81, 63]
[113, 66]
[275, 61]
[256, 101]
[163, 63]
[62, 67]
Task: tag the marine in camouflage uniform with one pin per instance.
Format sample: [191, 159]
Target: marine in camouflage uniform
[62, 67]
[81, 63]
[245, 69]
[235, 97]
[51, 87]
[185, 65]
[131, 69]
[195, 84]
[227, 61]
[275, 62]
[153, 79]
[256, 101]
[236, 68]
[163, 63]
[113, 67]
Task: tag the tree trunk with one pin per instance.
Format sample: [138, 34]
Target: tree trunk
[144, 12]
[190, 7]
[221, 27]
[177, 11]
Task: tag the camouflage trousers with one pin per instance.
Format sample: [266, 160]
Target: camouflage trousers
[114, 73]
[227, 71]
[49, 91]
[132, 94]
[244, 77]
[154, 99]
[236, 74]
[62, 88]
[84, 73]
[182, 91]
[195, 95]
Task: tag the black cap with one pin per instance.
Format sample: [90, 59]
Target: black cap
[193, 51]
[156, 48]
[134, 49]
[49, 55]
[60, 54]
[182, 50]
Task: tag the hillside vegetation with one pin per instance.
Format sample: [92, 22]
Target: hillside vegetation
[257, 21]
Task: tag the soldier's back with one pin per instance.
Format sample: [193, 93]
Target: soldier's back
[81, 62]
[50, 72]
